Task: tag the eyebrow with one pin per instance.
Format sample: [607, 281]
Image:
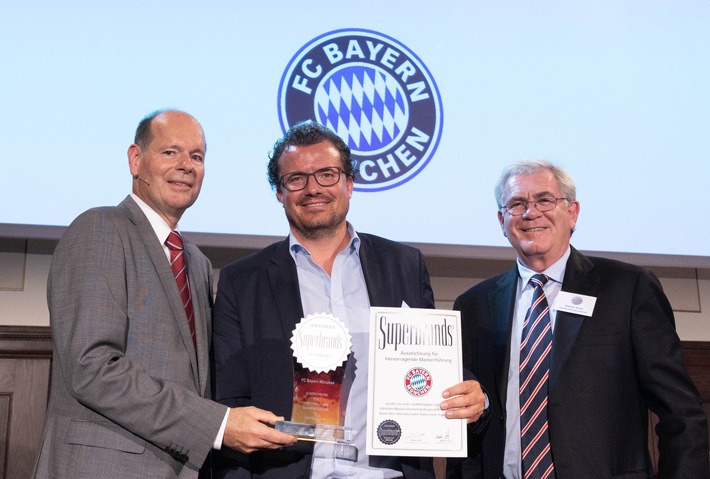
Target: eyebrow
[536, 196]
[174, 146]
[305, 173]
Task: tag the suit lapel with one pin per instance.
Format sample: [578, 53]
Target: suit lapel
[198, 279]
[283, 279]
[374, 273]
[162, 268]
[579, 278]
[502, 304]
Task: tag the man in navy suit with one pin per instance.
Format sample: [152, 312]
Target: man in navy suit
[614, 352]
[324, 266]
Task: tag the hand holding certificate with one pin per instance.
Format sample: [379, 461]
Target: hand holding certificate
[414, 355]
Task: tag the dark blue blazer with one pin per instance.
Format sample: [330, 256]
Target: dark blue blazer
[257, 307]
[606, 372]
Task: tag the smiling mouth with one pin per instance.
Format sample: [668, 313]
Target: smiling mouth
[181, 183]
[314, 203]
[534, 230]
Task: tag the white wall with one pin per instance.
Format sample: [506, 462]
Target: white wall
[24, 265]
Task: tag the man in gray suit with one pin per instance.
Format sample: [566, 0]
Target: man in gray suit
[130, 372]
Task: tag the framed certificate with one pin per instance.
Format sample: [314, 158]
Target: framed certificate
[414, 355]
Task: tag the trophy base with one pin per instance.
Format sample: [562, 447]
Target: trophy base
[339, 436]
[315, 432]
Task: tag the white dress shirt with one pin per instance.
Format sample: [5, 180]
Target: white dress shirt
[523, 300]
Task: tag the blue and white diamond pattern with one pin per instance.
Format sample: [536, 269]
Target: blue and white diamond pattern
[418, 382]
[364, 105]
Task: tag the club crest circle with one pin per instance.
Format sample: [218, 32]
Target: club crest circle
[375, 93]
[417, 381]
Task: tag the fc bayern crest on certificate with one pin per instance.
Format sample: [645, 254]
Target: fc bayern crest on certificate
[414, 355]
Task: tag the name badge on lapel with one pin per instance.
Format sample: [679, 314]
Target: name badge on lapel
[574, 303]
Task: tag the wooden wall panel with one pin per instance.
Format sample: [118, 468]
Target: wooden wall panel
[25, 364]
[4, 421]
[696, 355]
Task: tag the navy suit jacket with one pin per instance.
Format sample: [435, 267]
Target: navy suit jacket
[257, 308]
[606, 372]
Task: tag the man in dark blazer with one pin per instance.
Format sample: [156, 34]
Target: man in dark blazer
[129, 381]
[324, 264]
[614, 356]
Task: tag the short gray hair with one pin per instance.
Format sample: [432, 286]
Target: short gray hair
[527, 167]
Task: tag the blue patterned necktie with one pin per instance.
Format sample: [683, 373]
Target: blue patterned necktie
[535, 347]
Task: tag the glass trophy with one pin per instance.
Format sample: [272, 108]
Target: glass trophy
[321, 344]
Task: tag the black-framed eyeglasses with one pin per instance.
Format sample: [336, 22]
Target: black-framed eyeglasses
[296, 181]
[519, 207]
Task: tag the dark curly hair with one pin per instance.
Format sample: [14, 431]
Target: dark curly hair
[306, 133]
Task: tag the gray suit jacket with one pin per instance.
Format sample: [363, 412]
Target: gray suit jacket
[128, 388]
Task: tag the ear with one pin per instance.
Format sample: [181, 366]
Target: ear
[573, 210]
[350, 182]
[279, 195]
[501, 220]
[134, 158]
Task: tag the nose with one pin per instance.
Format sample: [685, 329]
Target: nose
[532, 210]
[312, 186]
[184, 162]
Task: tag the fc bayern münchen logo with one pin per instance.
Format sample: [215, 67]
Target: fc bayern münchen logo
[375, 93]
[417, 381]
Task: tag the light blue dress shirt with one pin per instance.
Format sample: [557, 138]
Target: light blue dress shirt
[344, 295]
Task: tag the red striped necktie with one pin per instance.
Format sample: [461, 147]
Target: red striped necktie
[535, 347]
[179, 267]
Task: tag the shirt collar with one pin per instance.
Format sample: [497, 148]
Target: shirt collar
[353, 246]
[160, 227]
[555, 272]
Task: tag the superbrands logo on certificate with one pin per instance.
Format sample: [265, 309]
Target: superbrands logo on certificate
[375, 93]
